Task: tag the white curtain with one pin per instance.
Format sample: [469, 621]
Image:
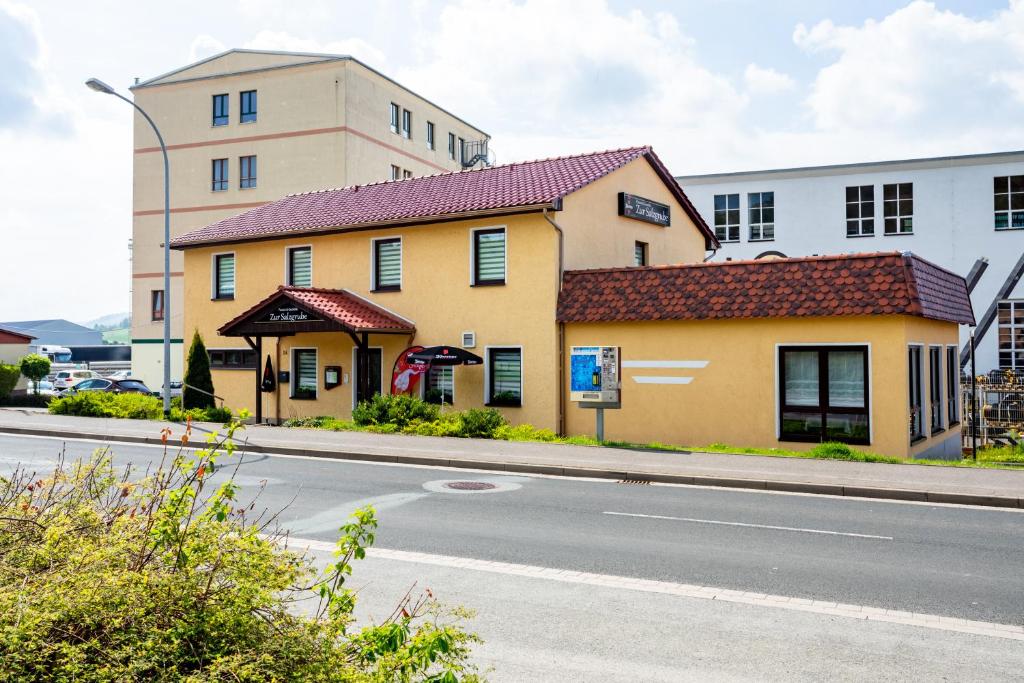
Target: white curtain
[801, 378]
[846, 379]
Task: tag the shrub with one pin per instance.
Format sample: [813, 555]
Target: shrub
[106, 576]
[448, 424]
[214, 414]
[35, 367]
[834, 450]
[524, 432]
[108, 404]
[26, 401]
[319, 422]
[480, 423]
[394, 409]
[197, 376]
[9, 375]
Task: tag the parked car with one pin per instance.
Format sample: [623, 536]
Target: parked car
[65, 379]
[45, 388]
[117, 386]
[176, 389]
[120, 374]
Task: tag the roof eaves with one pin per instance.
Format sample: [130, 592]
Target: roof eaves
[154, 79]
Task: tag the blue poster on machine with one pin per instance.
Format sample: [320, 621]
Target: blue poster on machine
[584, 364]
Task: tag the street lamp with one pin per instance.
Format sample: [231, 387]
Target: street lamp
[101, 87]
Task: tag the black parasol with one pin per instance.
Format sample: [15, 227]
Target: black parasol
[441, 356]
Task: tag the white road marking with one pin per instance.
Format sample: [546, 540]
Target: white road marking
[832, 609]
[751, 526]
[651, 379]
[692, 364]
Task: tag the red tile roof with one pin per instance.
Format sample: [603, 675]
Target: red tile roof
[511, 188]
[857, 284]
[12, 337]
[336, 305]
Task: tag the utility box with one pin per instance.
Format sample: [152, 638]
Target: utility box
[594, 374]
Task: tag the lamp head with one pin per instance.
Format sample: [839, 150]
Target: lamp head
[99, 86]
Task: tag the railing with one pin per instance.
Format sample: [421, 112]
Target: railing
[189, 386]
[1000, 407]
[473, 152]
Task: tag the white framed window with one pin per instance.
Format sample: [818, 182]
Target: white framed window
[305, 371]
[727, 217]
[406, 124]
[935, 393]
[386, 264]
[952, 386]
[440, 385]
[761, 208]
[860, 211]
[1011, 335]
[1008, 200]
[395, 109]
[640, 253]
[503, 370]
[406, 174]
[898, 208]
[916, 391]
[451, 146]
[299, 267]
[489, 256]
[430, 135]
[462, 150]
[222, 282]
[396, 172]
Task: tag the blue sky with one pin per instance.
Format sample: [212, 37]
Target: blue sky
[713, 86]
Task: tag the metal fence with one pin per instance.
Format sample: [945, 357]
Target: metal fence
[1000, 409]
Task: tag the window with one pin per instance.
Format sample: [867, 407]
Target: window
[727, 217]
[935, 387]
[387, 265]
[157, 304]
[233, 359]
[224, 276]
[462, 150]
[396, 172]
[248, 106]
[952, 386]
[898, 208]
[219, 180]
[824, 394]
[440, 386]
[1011, 335]
[430, 135]
[303, 374]
[860, 211]
[505, 377]
[1009, 202]
[489, 257]
[761, 207]
[247, 172]
[916, 404]
[406, 123]
[394, 117]
[220, 110]
[451, 146]
[406, 174]
[300, 266]
[640, 253]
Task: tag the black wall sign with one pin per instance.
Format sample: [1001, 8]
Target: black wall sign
[632, 206]
[286, 313]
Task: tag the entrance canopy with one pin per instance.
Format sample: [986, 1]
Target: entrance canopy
[291, 310]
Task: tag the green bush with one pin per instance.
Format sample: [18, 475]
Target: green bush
[35, 367]
[26, 401]
[834, 450]
[108, 404]
[105, 577]
[318, 422]
[448, 424]
[524, 432]
[394, 409]
[214, 414]
[9, 375]
[480, 423]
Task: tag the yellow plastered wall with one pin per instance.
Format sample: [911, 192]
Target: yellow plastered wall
[734, 398]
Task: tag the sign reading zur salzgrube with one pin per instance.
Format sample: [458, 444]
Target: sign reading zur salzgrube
[287, 313]
[632, 206]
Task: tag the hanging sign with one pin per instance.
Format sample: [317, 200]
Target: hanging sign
[268, 384]
[648, 210]
[287, 312]
[594, 374]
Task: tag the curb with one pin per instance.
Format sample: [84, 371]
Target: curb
[879, 493]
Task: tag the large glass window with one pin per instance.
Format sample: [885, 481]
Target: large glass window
[224, 276]
[219, 175]
[248, 106]
[952, 386]
[727, 217]
[505, 372]
[394, 117]
[1011, 335]
[430, 135]
[1009, 202]
[300, 266]
[406, 123]
[860, 211]
[304, 373]
[916, 392]
[220, 110]
[247, 172]
[761, 207]
[440, 386]
[462, 150]
[898, 208]
[935, 387]
[824, 394]
[233, 359]
[489, 257]
[387, 265]
[396, 172]
[451, 146]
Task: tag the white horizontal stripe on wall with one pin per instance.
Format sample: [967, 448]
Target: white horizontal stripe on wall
[662, 380]
[665, 364]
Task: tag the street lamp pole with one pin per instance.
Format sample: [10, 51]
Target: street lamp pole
[100, 86]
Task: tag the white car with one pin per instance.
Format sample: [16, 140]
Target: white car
[120, 374]
[65, 379]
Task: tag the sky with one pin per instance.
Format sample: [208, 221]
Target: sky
[713, 86]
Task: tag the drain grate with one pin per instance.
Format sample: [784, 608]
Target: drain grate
[638, 482]
[470, 485]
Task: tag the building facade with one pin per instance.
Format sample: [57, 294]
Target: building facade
[247, 127]
[965, 213]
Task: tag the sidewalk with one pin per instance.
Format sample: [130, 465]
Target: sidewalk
[988, 487]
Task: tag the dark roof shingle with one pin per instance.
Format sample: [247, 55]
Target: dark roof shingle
[855, 284]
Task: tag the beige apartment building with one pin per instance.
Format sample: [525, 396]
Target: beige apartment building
[246, 127]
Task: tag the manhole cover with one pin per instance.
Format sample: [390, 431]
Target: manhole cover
[470, 486]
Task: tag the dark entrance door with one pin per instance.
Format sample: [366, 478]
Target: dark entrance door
[374, 362]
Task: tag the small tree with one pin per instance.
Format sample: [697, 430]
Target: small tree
[197, 374]
[9, 375]
[35, 367]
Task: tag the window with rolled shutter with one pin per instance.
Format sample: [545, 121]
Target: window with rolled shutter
[304, 373]
[489, 257]
[440, 385]
[387, 267]
[300, 267]
[224, 285]
[506, 375]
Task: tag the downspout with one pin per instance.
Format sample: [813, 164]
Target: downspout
[560, 326]
[714, 250]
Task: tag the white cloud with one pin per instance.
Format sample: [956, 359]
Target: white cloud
[766, 80]
[354, 47]
[204, 46]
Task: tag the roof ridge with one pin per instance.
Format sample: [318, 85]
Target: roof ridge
[743, 262]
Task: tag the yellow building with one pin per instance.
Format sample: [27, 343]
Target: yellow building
[246, 127]
[518, 264]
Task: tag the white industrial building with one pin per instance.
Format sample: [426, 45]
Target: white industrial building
[965, 213]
